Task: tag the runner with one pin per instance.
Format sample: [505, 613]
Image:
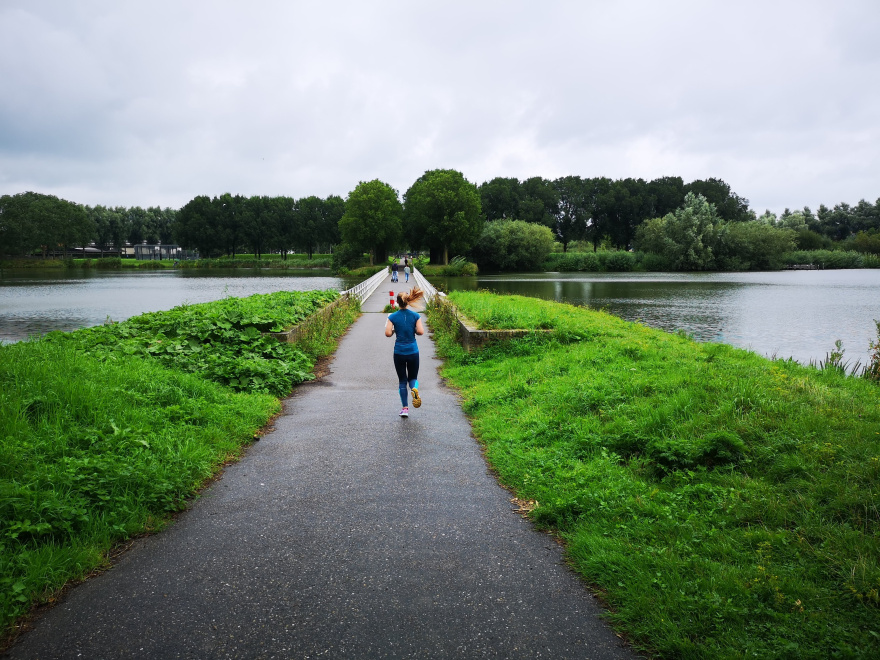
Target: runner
[406, 324]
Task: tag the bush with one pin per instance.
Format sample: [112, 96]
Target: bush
[649, 261]
[618, 261]
[513, 245]
[753, 246]
[574, 262]
[347, 257]
[825, 259]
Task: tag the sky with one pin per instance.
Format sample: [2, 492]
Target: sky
[151, 103]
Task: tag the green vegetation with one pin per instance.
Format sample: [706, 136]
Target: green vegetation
[513, 245]
[104, 433]
[372, 221]
[293, 262]
[457, 267]
[724, 505]
[228, 224]
[603, 260]
[443, 214]
[832, 259]
[222, 340]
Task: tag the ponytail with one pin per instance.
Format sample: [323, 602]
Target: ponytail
[413, 295]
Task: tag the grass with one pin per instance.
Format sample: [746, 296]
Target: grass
[273, 261]
[105, 432]
[723, 504]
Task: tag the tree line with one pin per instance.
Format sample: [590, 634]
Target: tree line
[441, 212]
[32, 223]
[229, 224]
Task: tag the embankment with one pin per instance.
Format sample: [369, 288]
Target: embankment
[723, 504]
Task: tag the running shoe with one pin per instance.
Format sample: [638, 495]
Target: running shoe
[404, 412]
[416, 400]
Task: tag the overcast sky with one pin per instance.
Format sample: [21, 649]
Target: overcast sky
[153, 103]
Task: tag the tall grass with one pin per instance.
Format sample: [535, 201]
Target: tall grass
[92, 452]
[604, 261]
[832, 259]
[725, 505]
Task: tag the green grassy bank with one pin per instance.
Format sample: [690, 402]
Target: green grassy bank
[105, 432]
[724, 505]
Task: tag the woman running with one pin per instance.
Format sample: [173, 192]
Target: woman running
[406, 324]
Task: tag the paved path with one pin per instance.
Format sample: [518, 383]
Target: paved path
[347, 532]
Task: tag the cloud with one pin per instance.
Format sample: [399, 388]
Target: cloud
[146, 104]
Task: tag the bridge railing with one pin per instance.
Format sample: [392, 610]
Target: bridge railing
[424, 285]
[365, 289]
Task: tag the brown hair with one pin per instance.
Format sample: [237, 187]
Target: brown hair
[414, 295]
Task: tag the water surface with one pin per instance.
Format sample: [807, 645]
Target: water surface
[33, 302]
[795, 314]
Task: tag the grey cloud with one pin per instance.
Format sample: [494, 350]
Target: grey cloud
[155, 103]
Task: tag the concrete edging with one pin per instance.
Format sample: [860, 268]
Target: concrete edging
[322, 315]
[471, 337]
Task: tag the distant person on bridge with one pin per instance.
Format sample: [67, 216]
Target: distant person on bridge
[394, 271]
[406, 324]
[406, 272]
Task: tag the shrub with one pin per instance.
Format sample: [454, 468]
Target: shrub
[571, 262]
[825, 258]
[513, 245]
[347, 257]
[619, 261]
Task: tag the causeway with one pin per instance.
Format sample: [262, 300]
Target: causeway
[345, 532]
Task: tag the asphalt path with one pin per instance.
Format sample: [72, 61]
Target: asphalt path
[347, 532]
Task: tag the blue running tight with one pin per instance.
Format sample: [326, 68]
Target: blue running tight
[407, 367]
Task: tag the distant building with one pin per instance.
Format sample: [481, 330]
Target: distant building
[147, 252]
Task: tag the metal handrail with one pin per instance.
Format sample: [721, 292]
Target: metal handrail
[365, 289]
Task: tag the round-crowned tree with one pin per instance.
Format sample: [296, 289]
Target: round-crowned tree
[513, 245]
[443, 213]
[372, 220]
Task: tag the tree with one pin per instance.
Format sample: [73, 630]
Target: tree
[31, 221]
[310, 221]
[687, 238]
[230, 216]
[627, 204]
[728, 205]
[287, 229]
[15, 235]
[500, 198]
[753, 245]
[667, 194]
[573, 210]
[197, 228]
[443, 212]
[538, 202]
[258, 224]
[373, 219]
[513, 245]
[331, 213]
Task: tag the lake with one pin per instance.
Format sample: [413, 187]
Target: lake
[36, 301]
[795, 314]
